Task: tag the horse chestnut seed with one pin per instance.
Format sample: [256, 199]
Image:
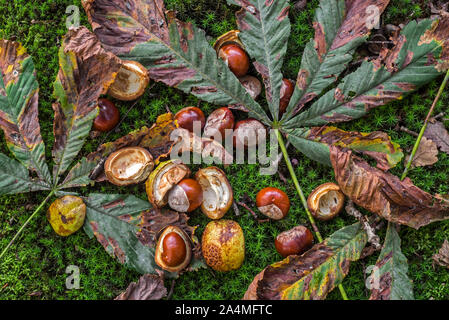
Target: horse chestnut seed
[218, 121]
[287, 89]
[174, 249]
[235, 58]
[293, 241]
[273, 203]
[186, 196]
[246, 132]
[108, 117]
[187, 116]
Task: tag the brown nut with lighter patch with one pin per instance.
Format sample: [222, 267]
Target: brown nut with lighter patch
[273, 203]
[108, 116]
[223, 245]
[294, 241]
[131, 81]
[186, 196]
[217, 192]
[163, 179]
[187, 117]
[246, 132]
[287, 89]
[128, 166]
[230, 49]
[219, 120]
[326, 201]
[252, 85]
[173, 249]
[66, 215]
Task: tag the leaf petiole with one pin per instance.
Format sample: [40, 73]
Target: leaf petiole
[303, 198]
[26, 223]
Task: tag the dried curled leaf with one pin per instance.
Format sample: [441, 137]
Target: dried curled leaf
[389, 280]
[436, 131]
[340, 27]
[128, 229]
[19, 120]
[174, 52]
[442, 257]
[385, 194]
[149, 287]
[312, 275]
[86, 72]
[155, 139]
[426, 154]
[315, 143]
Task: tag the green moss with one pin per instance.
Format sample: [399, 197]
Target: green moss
[34, 268]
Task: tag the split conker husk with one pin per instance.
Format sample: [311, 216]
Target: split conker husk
[66, 215]
[186, 196]
[108, 116]
[128, 166]
[246, 132]
[294, 241]
[217, 192]
[173, 249]
[223, 245]
[131, 81]
[326, 201]
[287, 89]
[219, 120]
[273, 203]
[163, 179]
[187, 116]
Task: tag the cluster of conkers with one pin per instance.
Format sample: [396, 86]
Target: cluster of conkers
[231, 50]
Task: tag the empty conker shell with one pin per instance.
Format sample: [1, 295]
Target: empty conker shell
[108, 116]
[186, 196]
[129, 165]
[287, 89]
[219, 120]
[163, 179]
[273, 202]
[326, 201]
[252, 85]
[223, 245]
[186, 117]
[217, 192]
[66, 215]
[131, 81]
[246, 132]
[173, 249]
[293, 241]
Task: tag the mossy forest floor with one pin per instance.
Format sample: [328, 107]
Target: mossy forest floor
[34, 268]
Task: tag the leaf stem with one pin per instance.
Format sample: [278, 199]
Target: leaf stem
[26, 223]
[303, 198]
[423, 129]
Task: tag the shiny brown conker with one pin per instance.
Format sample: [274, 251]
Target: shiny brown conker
[273, 202]
[219, 120]
[187, 116]
[186, 196]
[246, 132]
[287, 89]
[108, 116]
[235, 58]
[293, 241]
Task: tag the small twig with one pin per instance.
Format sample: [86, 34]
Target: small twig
[172, 288]
[372, 237]
[244, 205]
[410, 132]
[236, 208]
[282, 177]
[167, 108]
[438, 116]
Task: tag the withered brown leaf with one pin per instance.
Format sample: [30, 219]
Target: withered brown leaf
[149, 287]
[437, 132]
[426, 154]
[442, 257]
[385, 194]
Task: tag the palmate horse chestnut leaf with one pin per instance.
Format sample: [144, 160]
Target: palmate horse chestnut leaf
[177, 54]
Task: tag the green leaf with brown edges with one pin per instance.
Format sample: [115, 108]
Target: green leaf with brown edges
[385, 194]
[264, 30]
[340, 27]
[419, 55]
[86, 71]
[128, 229]
[389, 280]
[19, 120]
[315, 143]
[174, 52]
[315, 273]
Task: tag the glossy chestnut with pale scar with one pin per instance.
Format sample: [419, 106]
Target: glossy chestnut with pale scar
[273, 203]
[294, 241]
[186, 118]
[247, 131]
[219, 121]
[326, 201]
[186, 196]
[173, 249]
